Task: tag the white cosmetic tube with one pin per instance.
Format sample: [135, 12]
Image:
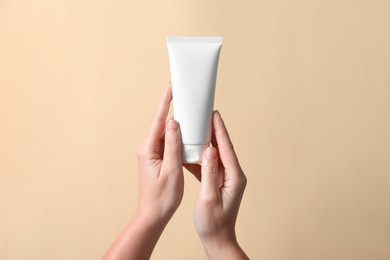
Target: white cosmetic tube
[194, 65]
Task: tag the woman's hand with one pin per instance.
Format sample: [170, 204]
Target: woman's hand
[160, 171]
[161, 185]
[222, 186]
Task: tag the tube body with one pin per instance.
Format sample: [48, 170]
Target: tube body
[194, 65]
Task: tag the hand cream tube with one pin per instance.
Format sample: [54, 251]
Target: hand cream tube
[194, 64]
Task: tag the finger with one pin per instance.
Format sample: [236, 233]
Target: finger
[195, 169]
[213, 138]
[209, 187]
[172, 148]
[224, 144]
[156, 131]
[215, 144]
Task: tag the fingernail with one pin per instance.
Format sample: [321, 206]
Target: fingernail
[217, 113]
[211, 153]
[172, 125]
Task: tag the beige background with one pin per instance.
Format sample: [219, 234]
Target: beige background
[304, 87]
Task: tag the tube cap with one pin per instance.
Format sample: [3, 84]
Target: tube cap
[193, 153]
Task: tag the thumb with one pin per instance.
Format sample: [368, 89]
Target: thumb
[172, 147]
[209, 188]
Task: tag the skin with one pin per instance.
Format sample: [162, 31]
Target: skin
[222, 186]
[161, 186]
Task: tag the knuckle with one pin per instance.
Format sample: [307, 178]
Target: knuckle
[226, 146]
[172, 140]
[212, 168]
[141, 153]
[242, 181]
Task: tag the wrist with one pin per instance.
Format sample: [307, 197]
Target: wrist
[216, 244]
[138, 239]
[150, 219]
[223, 249]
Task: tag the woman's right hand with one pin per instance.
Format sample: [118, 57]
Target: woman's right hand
[222, 186]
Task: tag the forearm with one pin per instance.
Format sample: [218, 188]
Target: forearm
[137, 240]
